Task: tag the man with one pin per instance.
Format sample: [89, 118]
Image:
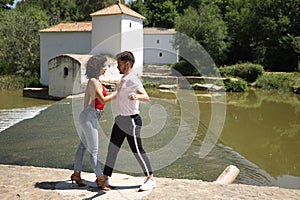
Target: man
[128, 122]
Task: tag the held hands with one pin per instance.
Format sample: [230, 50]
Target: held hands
[140, 95]
[133, 96]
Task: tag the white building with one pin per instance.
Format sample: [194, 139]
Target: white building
[158, 46]
[118, 28]
[67, 75]
[64, 38]
[113, 29]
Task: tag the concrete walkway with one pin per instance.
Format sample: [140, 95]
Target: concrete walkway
[30, 183]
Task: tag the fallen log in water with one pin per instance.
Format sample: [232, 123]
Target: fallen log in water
[228, 175]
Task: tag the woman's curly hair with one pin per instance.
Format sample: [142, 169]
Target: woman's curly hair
[94, 65]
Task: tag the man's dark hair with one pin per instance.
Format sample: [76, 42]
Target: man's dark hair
[126, 56]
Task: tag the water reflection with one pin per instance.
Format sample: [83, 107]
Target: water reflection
[14, 99]
[261, 136]
[264, 127]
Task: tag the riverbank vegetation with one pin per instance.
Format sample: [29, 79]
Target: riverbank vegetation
[11, 82]
[16, 82]
[255, 76]
[283, 82]
[231, 32]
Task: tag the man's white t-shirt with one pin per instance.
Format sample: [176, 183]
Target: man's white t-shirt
[128, 84]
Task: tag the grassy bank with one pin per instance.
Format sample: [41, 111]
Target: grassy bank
[255, 75]
[11, 82]
[282, 82]
[16, 82]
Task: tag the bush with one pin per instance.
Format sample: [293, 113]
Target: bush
[238, 85]
[150, 85]
[247, 71]
[32, 80]
[11, 82]
[271, 81]
[185, 68]
[16, 82]
[227, 71]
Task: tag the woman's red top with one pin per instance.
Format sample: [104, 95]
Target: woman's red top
[98, 104]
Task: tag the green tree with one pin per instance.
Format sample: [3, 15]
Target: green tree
[276, 20]
[86, 7]
[6, 4]
[184, 4]
[19, 43]
[57, 10]
[238, 17]
[68, 10]
[139, 7]
[296, 46]
[205, 25]
[161, 13]
[258, 32]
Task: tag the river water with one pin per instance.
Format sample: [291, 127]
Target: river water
[15, 108]
[260, 135]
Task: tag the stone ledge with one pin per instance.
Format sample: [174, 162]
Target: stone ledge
[27, 182]
[39, 93]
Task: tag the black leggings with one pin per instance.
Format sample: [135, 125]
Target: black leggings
[128, 127]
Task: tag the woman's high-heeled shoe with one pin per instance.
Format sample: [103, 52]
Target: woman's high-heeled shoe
[101, 182]
[76, 177]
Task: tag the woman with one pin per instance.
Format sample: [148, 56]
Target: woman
[94, 100]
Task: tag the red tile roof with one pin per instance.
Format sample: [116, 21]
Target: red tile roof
[69, 27]
[115, 9]
[118, 9]
[158, 31]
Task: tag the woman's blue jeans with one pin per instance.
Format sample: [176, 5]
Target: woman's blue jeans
[88, 120]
